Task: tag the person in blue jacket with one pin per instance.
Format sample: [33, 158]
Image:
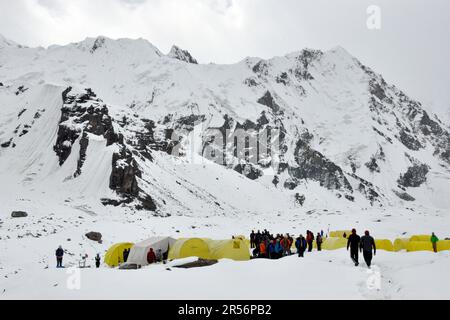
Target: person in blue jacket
[301, 245]
[278, 249]
[271, 250]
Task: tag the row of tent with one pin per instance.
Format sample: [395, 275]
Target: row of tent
[235, 249]
[411, 244]
[238, 249]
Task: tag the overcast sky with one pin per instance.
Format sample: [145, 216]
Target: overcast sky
[412, 48]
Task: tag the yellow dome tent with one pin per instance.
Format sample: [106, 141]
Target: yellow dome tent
[340, 233]
[400, 244]
[114, 256]
[421, 237]
[235, 249]
[334, 243]
[384, 244]
[193, 247]
[419, 246]
[443, 245]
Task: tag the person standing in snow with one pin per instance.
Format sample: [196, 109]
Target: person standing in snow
[262, 250]
[59, 257]
[97, 261]
[252, 240]
[310, 240]
[353, 243]
[319, 242]
[367, 244]
[300, 244]
[434, 240]
[151, 257]
[126, 253]
[159, 255]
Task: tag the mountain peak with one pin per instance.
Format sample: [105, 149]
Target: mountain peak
[182, 55]
[4, 42]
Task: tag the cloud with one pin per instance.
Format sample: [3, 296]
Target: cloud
[409, 46]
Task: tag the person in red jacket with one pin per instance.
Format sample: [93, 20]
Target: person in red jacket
[151, 257]
[262, 250]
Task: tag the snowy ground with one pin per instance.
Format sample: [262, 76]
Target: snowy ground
[27, 266]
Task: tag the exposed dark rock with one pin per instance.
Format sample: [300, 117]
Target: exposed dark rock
[99, 42]
[182, 55]
[249, 170]
[261, 68]
[1, 84]
[290, 184]
[315, 166]
[415, 176]
[84, 142]
[21, 113]
[197, 264]
[19, 214]
[250, 82]
[275, 181]
[20, 90]
[350, 198]
[377, 90]
[404, 196]
[93, 119]
[283, 78]
[300, 199]
[6, 144]
[94, 236]
[268, 100]
[410, 141]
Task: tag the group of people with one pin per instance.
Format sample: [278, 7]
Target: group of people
[364, 244]
[266, 245]
[60, 255]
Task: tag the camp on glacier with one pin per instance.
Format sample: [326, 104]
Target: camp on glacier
[147, 148]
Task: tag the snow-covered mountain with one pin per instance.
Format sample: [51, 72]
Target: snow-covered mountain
[97, 121]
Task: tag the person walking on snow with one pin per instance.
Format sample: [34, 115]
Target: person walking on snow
[434, 240]
[367, 244]
[300, 244]
[59, 257]
[353, 243]
[97, 260]
[319, 242]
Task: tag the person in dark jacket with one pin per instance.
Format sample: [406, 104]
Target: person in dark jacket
[353, 243]
[319, 242]
[97, 261]
[301, 244]
[59, 257]
[252, 240]
[151, 257]
[366, 246]
[126, 253]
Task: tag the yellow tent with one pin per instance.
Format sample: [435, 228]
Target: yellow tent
[400, 244]
[334, 243]
[384, 244]
[340, 233]
[114, 256]
[193, 247]
[419, 246]
[443, 245]
[235, 249]
[421, 237]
